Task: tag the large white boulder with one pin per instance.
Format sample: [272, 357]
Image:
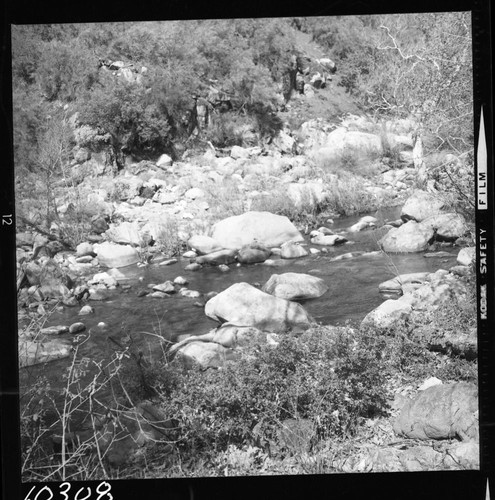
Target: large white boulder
[203, 244]
[244, 305]
[264, 228]
[466, 256]
[295, 286]
[112, 255]
[125, 233]
[387, 314]
[410, 237]
[420, 206]
[448, 226]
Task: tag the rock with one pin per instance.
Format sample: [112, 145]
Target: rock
[85, 310]
[206, 354]
[166, 287]
[226, 256]
[166, 197]
[77, 327]
[33, 353]
[54, 282]
[180, 281]
[190, 254]
[324, 230]
[430, 382]
[251, 254]
[125, 233]
[263, 228]
[420, 206]
[202, 244]
[244, 305]
[387, 314]
[441, 412]
[104, 278]
[99, 224]
[194, 193]
[113, 255]
[328, 240]
[410, 237]
[194, 266]
[84, 249]
[292, 250]
[397, 284]
[364, 223]
[466, 256]
[190, 294]
[169, 262]
[465, 455]
[295, 286]
[55, 330]
[159, 295]
[448, 227]
[224, 268]
[164, 161]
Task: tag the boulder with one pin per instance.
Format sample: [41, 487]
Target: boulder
[227, 335]
[166, 287]
[292, 250]
[410, 237]
[387, 314]
[263, 228]
[33, 353]
[397, 284]
[327, 239]
[124, 233]
[164, 161]
[99, 224]
[113, 255]
[166, 197]
[251, 254]
[84, 249]
[420, 206]
[194, 193]
[448, 227]
[466, 256]
[203, 244]
[364, 223]
[206, 354]
[105, 278]
[444, 411]
[295, 286]
[54, 283]
[226, 256]
[244, 305]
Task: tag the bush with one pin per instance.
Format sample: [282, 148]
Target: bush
[332, 378]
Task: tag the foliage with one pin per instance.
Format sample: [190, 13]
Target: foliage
[247, 400]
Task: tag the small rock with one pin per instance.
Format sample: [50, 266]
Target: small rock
[86, 259]
[142, 293]
[430, 382]
[70, 302]
[194, 266]
[159, 295]
[168, 262]
[77, 327]
[190, 254]
[190, 294]
[180, 281]
[166, 287]
[224, 268]
[55, 330]
[102, 325]
[86, 310]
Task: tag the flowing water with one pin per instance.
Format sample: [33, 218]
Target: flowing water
[353, 292]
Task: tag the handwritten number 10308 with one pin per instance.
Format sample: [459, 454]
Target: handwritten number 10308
[101, 492]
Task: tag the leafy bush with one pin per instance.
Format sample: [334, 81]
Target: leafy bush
[333, 378]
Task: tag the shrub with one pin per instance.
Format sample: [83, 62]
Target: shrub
[332, 378]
